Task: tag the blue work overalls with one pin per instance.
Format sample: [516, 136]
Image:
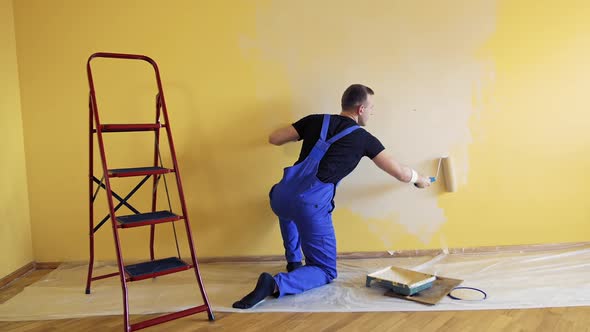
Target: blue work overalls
[304, 206]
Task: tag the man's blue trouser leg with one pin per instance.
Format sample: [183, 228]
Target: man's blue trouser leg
[291, 240]
[318, 243]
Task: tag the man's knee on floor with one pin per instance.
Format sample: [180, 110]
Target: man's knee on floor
[331, 273]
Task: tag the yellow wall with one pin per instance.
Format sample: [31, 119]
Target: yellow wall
[497, 86]
[15, 224]
[530, 153]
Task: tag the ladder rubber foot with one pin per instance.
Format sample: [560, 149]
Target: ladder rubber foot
[211, 316]
[87, 290]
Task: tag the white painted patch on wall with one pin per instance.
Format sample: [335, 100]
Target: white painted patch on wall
[418, 56]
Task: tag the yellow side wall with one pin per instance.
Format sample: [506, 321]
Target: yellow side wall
[15, 224]
[499, 87]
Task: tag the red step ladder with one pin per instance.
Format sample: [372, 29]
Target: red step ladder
[153, 267]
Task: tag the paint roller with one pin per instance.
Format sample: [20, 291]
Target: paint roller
[448, 173]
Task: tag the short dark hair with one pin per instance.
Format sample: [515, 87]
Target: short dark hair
[355, 95]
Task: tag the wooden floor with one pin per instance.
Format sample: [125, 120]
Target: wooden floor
[549, 319]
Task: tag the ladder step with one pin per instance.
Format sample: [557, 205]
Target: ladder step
[112, 128]
[158, 267]
[150, 218]
[138, 171]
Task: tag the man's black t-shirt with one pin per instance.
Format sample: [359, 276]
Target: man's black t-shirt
[343, 155]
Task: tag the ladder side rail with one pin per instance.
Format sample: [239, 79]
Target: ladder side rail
[155, 183]
[181, 196]
[91, 193]
[109, 195]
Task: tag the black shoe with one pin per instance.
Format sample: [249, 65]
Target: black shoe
[264, 287]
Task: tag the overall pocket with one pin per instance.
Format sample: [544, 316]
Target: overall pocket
[316, 201]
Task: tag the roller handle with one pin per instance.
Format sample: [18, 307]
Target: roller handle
[432, 180]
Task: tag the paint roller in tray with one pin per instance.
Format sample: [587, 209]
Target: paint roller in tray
[448, 173]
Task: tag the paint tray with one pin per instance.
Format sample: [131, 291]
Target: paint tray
[402, 281]
[441, 287]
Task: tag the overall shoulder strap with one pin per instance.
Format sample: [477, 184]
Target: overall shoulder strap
[342, 134]
[325, 125]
